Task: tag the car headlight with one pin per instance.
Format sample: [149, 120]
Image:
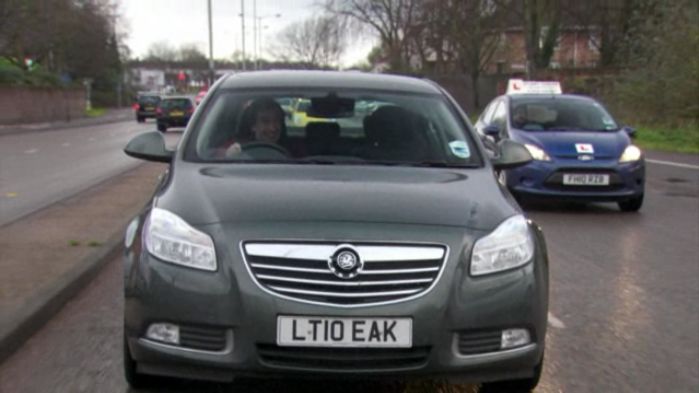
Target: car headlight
[170, 238]
[537, 153]
[509, 246]
[631, 153]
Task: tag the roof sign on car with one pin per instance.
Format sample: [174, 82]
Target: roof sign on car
[520, 86]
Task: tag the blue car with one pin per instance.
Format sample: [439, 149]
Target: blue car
[580, 152]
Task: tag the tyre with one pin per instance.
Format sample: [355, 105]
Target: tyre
[515, 385]
[162, 127]
[632, 204]
[140, 119]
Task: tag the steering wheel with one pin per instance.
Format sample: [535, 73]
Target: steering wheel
[252, 146]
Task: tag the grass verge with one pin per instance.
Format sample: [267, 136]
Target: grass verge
[95, 112]
[681, 140]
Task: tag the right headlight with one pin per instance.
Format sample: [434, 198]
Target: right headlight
[631, 154]
[509, 246]
[537, 153]
[172, 239]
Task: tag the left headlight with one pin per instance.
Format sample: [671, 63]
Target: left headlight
[537, 153]
[631, 153]
[509, 246]
[173, 240]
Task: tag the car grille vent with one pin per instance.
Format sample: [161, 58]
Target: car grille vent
[473, 343]
[302, 271]
[353, 359]
[203, 338]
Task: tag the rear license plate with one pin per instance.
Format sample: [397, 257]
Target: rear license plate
[176, 114]
[585, 179]
[149, 108]
[344, 332]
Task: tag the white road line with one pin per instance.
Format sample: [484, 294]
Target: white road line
[555, 322]
[31, 151]
[676, 164]
[66, 144]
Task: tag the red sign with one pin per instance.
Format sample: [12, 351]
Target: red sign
[181, 76]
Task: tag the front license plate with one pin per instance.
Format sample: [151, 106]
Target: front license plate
[176, 114]
[344, 332]
[584, 179]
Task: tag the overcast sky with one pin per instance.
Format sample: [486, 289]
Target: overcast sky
[180, 22]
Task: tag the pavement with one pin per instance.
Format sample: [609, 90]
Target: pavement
[49, 255]
[110, 116]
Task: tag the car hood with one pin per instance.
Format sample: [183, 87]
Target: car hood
[605, 144]
[203, 194]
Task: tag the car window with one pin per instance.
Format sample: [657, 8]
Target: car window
[488, 112]
[152, 100]
[379, 128]
[177, 103]
[499, 115]
[560, 114]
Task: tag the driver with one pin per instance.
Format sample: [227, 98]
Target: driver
[263, 121]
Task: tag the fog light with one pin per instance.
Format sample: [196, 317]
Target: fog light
[512, 338]
[165, 332]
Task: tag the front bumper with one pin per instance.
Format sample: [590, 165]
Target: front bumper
[458, 307]
[542, 179]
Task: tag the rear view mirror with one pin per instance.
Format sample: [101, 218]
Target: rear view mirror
[511, 155]
[629, 130]
[149, 146]
[331, 107]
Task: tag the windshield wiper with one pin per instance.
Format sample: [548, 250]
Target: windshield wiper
[444, 164]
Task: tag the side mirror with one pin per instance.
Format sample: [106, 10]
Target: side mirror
[629, 130]
[493, 131]
[149, 146]
[512, 154]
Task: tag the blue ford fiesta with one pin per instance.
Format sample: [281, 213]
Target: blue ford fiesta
[580, 152]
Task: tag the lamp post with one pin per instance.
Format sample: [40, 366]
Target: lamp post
[258, 35]
[242, 20]
[212, 75]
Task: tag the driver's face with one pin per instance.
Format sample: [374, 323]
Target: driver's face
[268, 126]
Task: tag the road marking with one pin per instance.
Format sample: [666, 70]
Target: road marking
[66, 144]
[555, 322]
[91, 139]
[670, 163]
[31, 151]
[11, 194]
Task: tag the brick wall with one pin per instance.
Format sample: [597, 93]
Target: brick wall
[35, 105]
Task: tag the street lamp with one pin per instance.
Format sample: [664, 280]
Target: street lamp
[258, 35]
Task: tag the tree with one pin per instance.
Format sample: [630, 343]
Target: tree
[319, 41]
[190, 53]
[161, 51]
[392, 20]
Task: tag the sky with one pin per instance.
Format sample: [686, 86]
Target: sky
[180, 22]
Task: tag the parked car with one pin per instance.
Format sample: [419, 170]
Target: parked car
[200, 96]
[382, 246]
[174, 111]
[580, 152]
[146, 105]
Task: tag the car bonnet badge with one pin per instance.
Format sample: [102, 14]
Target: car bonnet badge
[345, 262]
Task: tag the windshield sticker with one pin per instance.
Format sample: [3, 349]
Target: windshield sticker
[584, 148]
[460, 149]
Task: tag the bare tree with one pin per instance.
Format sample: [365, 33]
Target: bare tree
[318, 41]
[190, 53]
[393, 20]
[161, 51]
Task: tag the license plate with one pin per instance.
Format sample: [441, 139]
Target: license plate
[149, 108]
[344, 332]
[176, 114]
[584, 179]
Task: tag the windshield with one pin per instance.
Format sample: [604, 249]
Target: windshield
[152, 100]
[560, 114]
[176, 103]
[322, 127]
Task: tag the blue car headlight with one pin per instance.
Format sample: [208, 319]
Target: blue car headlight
[509, 246]
[172, 239]
[537, 153]
[631, 154]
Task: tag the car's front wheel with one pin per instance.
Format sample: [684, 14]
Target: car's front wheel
[515, 385]
[632, 204]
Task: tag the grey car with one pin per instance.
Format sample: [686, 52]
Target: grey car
[359, 245]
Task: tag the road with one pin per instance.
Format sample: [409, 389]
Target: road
[624, 308]
[38, 168]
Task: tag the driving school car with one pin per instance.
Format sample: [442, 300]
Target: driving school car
[378, 246]
[580, 152]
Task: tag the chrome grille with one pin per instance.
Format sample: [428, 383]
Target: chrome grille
[301, 271]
